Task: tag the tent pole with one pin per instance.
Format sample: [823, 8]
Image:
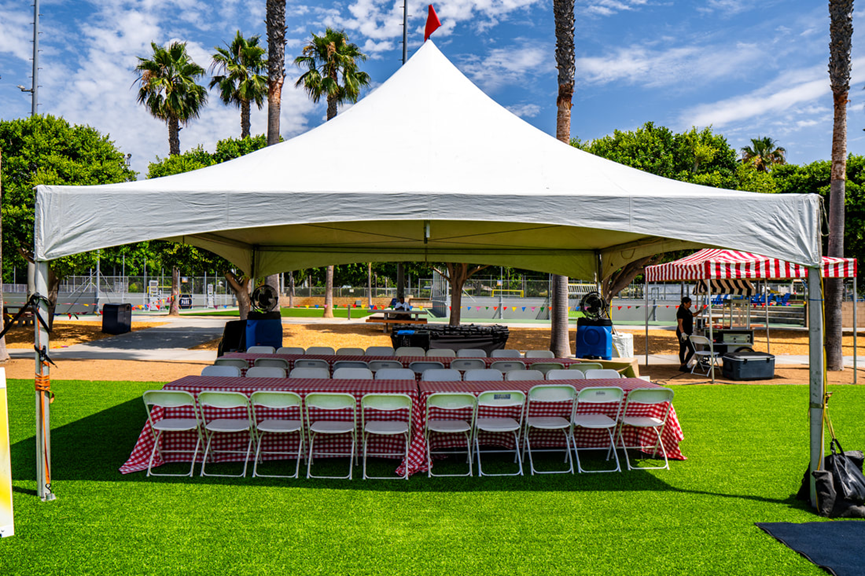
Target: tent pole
[855, 331]
[711, 327]
[815, 357]
[766, 292]
[43, 389]
[646, 295]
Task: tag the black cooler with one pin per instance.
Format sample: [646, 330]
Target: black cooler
[749, 365]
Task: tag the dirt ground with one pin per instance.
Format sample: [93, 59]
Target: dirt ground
[360, 335]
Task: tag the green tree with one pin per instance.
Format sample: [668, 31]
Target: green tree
[763, 153]
[168, 90]
[48, 150]
[240, 79]
[331, 68]
[178, 163]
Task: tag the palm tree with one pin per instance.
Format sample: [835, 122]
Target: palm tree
[168, 90]
[327, 60]
[240, 79]
[840, 34]
[563, 10]
[275, 20]
[331, 71]
[763, 154]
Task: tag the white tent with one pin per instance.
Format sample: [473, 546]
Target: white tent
[426, 167]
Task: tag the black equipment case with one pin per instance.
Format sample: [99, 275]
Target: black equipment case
[749, 366]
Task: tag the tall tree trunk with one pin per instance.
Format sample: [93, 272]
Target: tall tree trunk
[563, 11]
[291, 289]
[331, 107]
[400, 280]
[173, 137]
[240, 286]
[275, 20]
[273, 282]
[457, 274]
[841, 33]
[244, 119]
[328, 293]
[4, 354]
[174, 308]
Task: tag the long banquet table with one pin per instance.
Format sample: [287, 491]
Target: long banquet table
[404, 360]
[417, 391]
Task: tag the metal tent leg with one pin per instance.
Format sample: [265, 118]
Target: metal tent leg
[43, 390]
[815, 357]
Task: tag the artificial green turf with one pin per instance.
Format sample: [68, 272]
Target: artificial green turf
[747, 448]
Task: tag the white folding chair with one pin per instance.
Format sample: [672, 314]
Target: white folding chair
[447, 401]
[260, 350]
[352, 374]
[222, 400]
[468, 364]
[540, 354]
[602, 374]
[276, 400]
[500, 425]
[320, 351]
[271, 363]
[507, 365]
[550, 394]
[704, 356]
[598, 395]
[471, 353]
[239, 362]
[441, 375]
[565, 375]
[350, 364]
[637, 401]
[410, 351]
[387, 403]
[312, 363]
[350, 352]
[291, 350]
[316, 373]
[232, 371]
[505, 354]
[395, 374]
[422, 366]
[379, 351]
[265, 372]
[376, 365]
[523, 375]
[546, 366]
[483, 375]
[440, 353]
[585, 366]
[332, 402]
[168, 399]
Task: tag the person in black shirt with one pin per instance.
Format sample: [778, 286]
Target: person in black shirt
[684, 329]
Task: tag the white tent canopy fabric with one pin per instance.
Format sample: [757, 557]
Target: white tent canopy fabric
[425, 168]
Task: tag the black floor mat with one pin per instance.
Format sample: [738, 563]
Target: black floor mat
[836, 546]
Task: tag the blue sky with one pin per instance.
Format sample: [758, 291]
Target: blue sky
[747, 68]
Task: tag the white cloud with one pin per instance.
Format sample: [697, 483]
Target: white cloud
[508, 66]
[16, 30]
[525, 110]
[728, 7]
[609, 7]
[684, 66]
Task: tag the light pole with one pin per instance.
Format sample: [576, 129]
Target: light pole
[34, 90]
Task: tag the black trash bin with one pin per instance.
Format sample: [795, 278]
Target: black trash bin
[117, 318]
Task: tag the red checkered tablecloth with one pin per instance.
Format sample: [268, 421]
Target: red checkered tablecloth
[671, 436]
[405, 360]
[358, 388]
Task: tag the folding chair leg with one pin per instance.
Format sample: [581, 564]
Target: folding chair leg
[517, 459]
[618, 467]
[568, 458]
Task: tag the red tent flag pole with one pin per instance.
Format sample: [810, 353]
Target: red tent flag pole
[432, 23]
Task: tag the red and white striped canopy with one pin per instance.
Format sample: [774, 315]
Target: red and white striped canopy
[718, 264]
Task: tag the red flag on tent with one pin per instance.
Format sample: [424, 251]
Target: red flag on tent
[432, 23]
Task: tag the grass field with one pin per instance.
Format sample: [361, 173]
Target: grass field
[747, 449]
